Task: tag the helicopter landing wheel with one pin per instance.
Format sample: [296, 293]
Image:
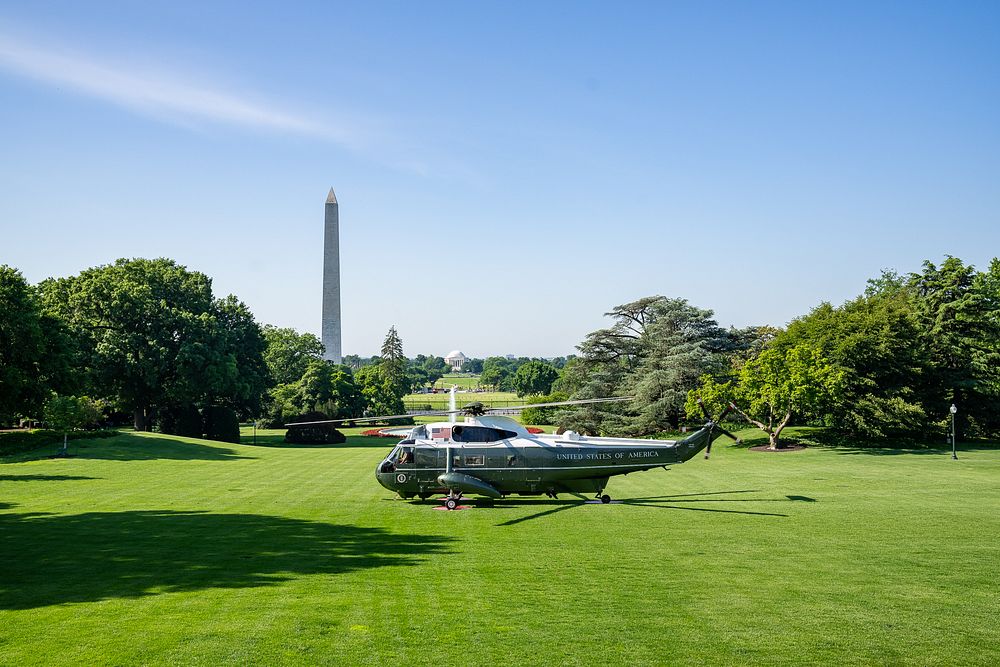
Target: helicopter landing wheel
[605, 499]
[450, 503]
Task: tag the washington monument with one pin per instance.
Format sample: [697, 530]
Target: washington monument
[331, 281]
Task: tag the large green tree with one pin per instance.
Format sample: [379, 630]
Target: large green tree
[534, 378]
[382, 395]
[959, 313]
[655, 351]
[331, 389]
[774, 386]
[496, 373]
[152, 334]
[289, 353]
[876, 340]
[35, 350]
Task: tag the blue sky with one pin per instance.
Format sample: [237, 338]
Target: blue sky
[507, 172]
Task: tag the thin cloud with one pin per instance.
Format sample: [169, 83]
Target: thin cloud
[157, 95]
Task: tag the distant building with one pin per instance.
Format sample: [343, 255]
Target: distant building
[455, 359]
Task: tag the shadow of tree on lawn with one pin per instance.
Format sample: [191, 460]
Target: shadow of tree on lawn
[42, 478]
[55, 559]
[151, 447]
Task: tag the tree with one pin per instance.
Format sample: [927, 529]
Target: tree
[959, 314]
[35, 349]
[393, 363]
[329, 388]
[66, 413]
[245, 346]
[289, 353]
[472, 366]
[436, 368]
[496, 373]
[875, 339]
[381, 394]
[533, 378]
[151, 334]
[774, 386]
[655, 351]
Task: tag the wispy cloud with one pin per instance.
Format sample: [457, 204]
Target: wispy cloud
[159, 95]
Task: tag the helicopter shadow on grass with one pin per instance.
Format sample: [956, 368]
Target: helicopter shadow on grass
[57, 559]
[684, 501]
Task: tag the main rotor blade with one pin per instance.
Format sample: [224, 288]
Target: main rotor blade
[582, 401]
[373, 419]
[458, 411]
[727, 433]
[704, 410]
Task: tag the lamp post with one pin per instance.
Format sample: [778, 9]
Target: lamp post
[953, 410]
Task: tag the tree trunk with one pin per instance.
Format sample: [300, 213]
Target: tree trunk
[141, 420]
[775, 435]
[65, 445]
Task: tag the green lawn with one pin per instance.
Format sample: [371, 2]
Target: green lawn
[440, 401]
[146, 549]
[462, 380]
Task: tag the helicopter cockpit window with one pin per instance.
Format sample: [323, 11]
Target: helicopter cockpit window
[463, 433]
[388, 465]
[405, 455]
[418, 433]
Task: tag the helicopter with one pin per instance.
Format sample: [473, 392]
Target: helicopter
[493, 455]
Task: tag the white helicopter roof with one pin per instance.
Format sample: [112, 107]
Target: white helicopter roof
[490, 421]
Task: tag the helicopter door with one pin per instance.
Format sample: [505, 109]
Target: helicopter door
[430, 464]
[510, 460]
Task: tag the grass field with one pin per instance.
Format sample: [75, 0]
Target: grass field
[147, 549]
[440, 401]
[463, 381]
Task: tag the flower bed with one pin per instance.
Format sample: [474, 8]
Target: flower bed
[378, 433]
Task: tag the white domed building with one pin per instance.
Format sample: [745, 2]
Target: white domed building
[455, 359]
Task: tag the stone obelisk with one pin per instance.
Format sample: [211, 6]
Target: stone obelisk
[331, 281]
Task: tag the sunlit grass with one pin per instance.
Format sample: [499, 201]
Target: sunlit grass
[148, 549]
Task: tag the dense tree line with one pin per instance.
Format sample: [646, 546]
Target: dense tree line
[149, 338]
[886, 364]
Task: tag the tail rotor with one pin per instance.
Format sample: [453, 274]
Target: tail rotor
[714, 425]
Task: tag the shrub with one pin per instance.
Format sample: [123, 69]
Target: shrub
[542, 416]
[184, 420]
[313, 434]
[221, 423]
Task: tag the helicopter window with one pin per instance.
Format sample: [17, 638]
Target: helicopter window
[406, 455]
[418, 432]
[475, 460]
[511, 461]
[479, 434]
